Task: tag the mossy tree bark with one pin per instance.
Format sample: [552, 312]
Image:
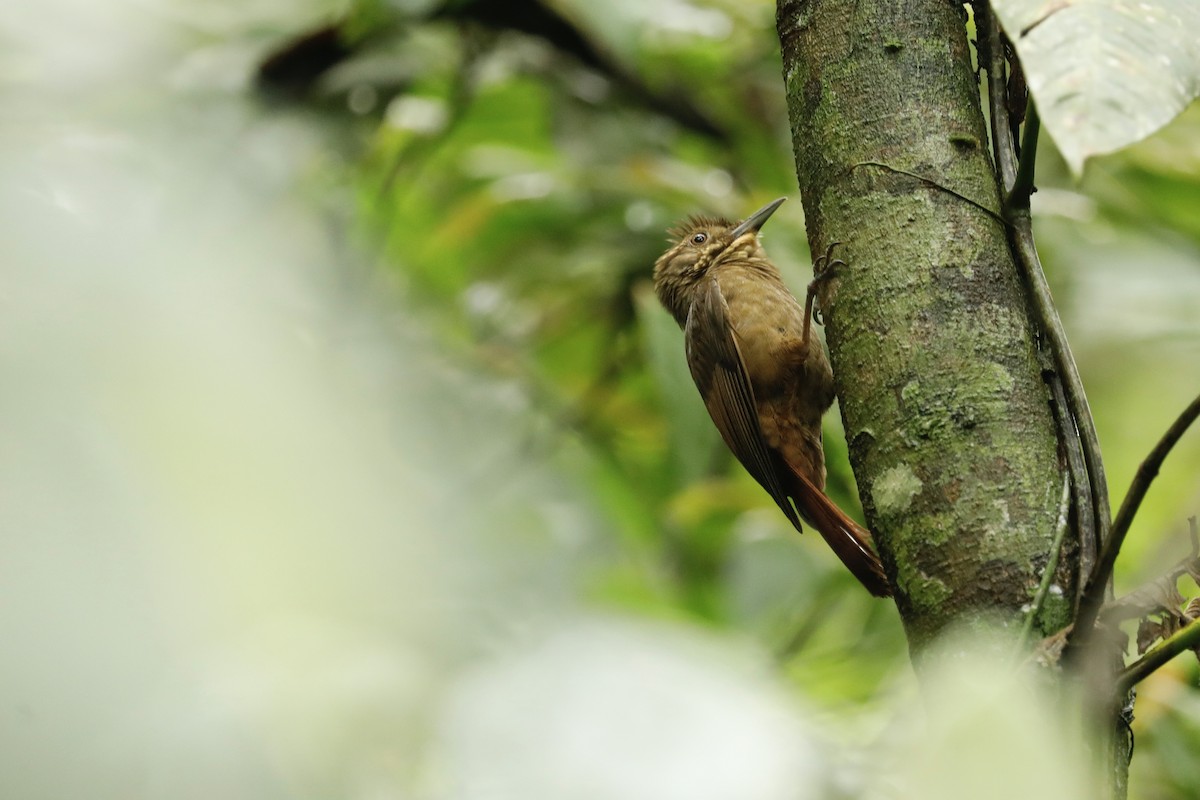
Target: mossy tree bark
[949, 422]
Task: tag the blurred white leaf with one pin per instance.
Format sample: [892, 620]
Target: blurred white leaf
[1105, 73]
[240, 551]
[616, 711]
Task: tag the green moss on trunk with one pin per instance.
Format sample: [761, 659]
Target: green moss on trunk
[948, 420]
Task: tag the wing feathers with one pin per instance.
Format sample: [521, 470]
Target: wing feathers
[720, 375]
[718, 371]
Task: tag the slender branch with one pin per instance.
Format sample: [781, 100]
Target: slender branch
[1145, 474]
[1039, 599]
[1082, 491]
[1067, 372]
[1003, 146]
[1079, 431]
[1186, 638]
[1023, 188]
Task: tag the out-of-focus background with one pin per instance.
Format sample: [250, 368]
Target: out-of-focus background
[344, 451]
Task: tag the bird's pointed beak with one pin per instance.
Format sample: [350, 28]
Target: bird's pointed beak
[756, 220]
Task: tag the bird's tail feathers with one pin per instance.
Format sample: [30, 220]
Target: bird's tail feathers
[849, 540]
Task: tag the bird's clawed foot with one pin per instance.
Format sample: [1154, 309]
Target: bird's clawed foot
[822, 271]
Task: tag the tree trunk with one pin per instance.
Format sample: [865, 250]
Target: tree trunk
[949, 423]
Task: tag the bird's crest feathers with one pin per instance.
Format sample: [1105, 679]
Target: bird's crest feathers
[697, 222]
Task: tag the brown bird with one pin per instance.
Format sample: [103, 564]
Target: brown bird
[765, 379]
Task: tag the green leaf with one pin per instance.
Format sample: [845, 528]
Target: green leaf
[1105, 73]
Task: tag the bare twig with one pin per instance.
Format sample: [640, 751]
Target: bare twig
[1188, 638]
[1146, 472]
[1072, 385]
[1039, 598]
[992, 59]
[1023, 188]
[1077, 430]
[1080, 488]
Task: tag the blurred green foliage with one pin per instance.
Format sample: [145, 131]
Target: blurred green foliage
[517, 189]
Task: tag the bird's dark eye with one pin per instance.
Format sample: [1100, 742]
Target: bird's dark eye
[700, 238]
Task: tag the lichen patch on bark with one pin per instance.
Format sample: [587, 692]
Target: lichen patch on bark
[894, 490]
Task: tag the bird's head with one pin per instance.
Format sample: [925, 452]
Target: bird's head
[699, 244]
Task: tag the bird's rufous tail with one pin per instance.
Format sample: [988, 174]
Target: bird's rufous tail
[848, 539]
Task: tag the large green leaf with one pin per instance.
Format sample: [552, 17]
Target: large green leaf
[1105, 73]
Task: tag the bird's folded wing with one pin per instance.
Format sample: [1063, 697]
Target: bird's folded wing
[720, 375]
